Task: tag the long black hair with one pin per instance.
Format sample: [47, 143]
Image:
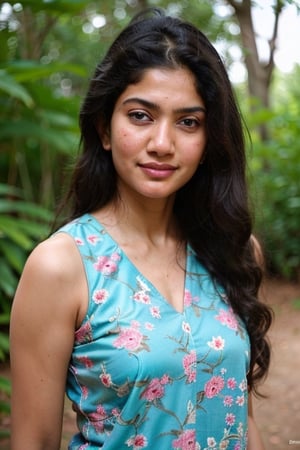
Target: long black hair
[212, 209]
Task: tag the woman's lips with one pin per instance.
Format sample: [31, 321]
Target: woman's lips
[155, 170]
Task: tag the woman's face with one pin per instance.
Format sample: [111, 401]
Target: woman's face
[157, 134]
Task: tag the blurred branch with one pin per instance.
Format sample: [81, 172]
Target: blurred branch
[33, 36]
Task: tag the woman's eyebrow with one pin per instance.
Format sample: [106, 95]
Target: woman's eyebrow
[191, 109]
[143, 102]
[156, 107]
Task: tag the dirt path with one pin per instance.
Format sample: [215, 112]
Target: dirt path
[278, 416]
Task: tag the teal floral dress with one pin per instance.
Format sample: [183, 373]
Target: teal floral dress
[144, 376]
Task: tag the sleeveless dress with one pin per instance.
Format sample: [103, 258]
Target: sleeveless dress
[145, 376]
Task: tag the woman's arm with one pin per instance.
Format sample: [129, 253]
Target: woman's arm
[44, 316]
[258, 252]
[254, 439]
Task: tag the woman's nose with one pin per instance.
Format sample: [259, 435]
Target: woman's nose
[162, 138]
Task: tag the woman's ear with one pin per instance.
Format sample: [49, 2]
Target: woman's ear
[105, 139]
[104, 136]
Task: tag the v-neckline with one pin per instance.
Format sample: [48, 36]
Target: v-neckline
[140, 274]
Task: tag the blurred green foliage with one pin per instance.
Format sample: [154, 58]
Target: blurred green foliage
[275, 177]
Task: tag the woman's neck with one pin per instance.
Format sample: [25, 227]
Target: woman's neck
[151, 220]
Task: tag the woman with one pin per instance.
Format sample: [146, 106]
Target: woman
[144, 305]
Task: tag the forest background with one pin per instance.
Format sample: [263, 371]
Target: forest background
[48, 51]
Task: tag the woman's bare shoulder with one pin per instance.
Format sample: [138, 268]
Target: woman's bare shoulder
[57, 256]
[53, 277]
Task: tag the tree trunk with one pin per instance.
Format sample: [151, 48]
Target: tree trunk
[259, 74]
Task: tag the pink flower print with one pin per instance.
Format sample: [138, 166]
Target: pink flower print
[97, 418]
[231, 383]
[228, 319]
[83, 447]
[243, 386]
[237, 446]
[135, 324]
[188, 299]
[106, 265]
[189, 360]
[78, 241]
[228, 400]
[189, 365]
[100, 296]
[191, 378]
[99, 426]
[105, 379]
[85, 392]
[240, 400]
[137, 442]
[154, 390]
[155, 312]
[93, 239]
[186, 327]
[129, 338]
[214, 386]
[185, 441]
[230, 419]
[115, 256]
[217, 343]
[116, 412]
[165, 379]
[211, 442]
[149, 326]
[142, 297]
[100, 412]
[84, 333]
[87, 362]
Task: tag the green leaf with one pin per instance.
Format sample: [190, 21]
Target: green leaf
[58, 119]
[4, 319]
[8, 280]
[4, 345]
[14, 255]
[36, 230]
[58, 6]
[30, 209]
[64, 141]
[11, 87]
[5, 385]
[9, 227]
[29, 71]
[6, 189]
[294, 202]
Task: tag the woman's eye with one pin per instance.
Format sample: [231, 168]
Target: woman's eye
[139, 116]
[190, 123]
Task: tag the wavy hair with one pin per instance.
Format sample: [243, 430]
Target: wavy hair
[212, 209]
